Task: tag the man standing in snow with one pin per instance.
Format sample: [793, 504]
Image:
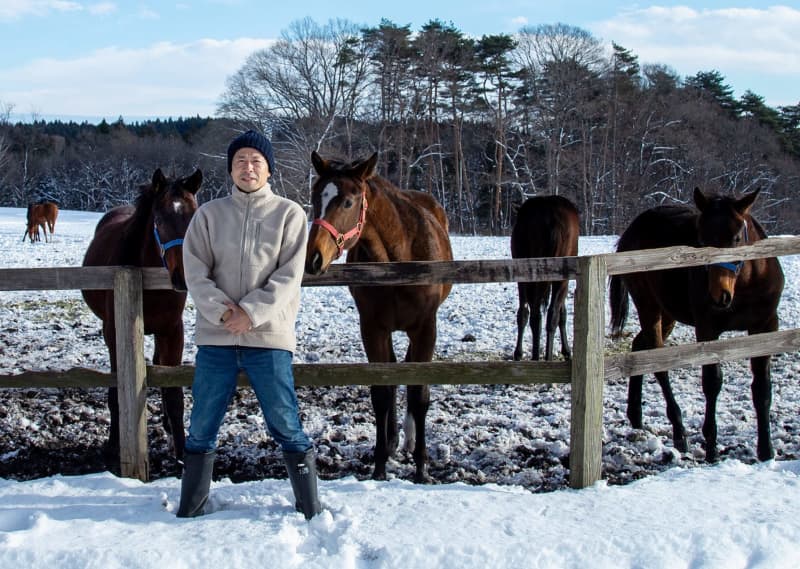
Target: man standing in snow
[243, 259]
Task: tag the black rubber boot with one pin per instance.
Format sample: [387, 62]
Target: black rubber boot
[302, 468]
[195, 483]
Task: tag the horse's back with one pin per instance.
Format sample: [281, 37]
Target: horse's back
[426, 220]
[49, 211]
[661, 226]
[546, 226]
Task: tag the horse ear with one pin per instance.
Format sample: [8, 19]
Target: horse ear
[366, 169]
[158, 179]
[700, 200]
[744, 203]
[194, 181]
[320, 165]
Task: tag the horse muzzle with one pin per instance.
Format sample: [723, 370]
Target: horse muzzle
[315, 263]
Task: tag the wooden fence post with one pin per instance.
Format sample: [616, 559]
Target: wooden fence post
[131, 374]
[586, 429]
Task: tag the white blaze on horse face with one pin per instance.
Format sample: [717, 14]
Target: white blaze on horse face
[328, 193]
[177, 206]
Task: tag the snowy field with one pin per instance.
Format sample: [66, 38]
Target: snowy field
[498, 454]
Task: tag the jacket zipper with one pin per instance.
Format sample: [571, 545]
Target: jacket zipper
[243, 249]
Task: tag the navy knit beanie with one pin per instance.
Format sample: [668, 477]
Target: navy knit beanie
[252, 139]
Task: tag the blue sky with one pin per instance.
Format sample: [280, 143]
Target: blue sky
[146, 59]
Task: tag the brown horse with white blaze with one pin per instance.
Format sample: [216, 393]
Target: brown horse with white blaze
[722, 296]
[374, 221]
[148, 233]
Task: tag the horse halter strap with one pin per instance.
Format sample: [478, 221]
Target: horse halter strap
[734, 266]
[163, 247]
[341, 238]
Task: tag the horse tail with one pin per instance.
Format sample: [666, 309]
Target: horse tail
[619, 300]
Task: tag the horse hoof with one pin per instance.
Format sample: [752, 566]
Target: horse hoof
[765, 454]
[379, 476]
[422, 478]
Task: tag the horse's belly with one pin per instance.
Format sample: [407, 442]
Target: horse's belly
[398, 307]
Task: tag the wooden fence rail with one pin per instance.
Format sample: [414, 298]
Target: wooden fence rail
[586, 372]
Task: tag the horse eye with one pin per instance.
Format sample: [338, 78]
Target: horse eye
[348, 203]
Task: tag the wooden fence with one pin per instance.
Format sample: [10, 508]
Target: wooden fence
[586, 372]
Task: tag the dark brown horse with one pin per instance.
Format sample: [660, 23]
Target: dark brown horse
[358, 211]
[720, 297]
[41, 214]
[148, 234]
[546, 226]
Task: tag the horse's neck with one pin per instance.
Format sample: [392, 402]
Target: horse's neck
[754, 230]
[139, 246]
[384, 236]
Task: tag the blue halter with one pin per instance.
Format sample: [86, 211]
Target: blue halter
[163, 247]
[734, 266]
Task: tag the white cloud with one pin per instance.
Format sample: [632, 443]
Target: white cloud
[102, 8]
[146, 13]
[764, 40]
[16, 9]
[163, 79]
[519, 21]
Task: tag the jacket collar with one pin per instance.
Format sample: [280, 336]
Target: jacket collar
[259, 196]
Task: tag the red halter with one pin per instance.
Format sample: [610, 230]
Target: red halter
[341, 238]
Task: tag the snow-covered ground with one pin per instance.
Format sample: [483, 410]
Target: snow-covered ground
[495, 452]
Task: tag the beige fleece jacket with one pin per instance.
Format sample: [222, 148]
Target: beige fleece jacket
[248, 249]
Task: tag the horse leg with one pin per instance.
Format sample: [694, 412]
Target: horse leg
[420, 349]
[169, 351]
[762, 401]
[523, 318]
[384, 404]
[673, 412]
[712, 385]
[419, 401]
[634, 411]
[112, 445]
[556, 318]
[378, 346]
[566, 351]
[536, 330]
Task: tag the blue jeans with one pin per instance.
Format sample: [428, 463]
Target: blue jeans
[270, 374]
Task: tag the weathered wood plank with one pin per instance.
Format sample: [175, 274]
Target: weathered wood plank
[76, 377]
[699, 353]
[586, 427]
[448, 373]
[420, 272]
[424, 272]
[673, 257]
[131, 374]
[57, 278]
[416, 373]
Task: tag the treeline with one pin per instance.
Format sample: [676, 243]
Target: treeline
[479, 123]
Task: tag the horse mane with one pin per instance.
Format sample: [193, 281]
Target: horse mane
[136, 229]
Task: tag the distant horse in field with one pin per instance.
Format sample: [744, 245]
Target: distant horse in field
[358, 211]
[41, 214]
[148, 234]
[722, 296]
[546, 226]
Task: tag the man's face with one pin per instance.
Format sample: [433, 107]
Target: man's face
[249, 169]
